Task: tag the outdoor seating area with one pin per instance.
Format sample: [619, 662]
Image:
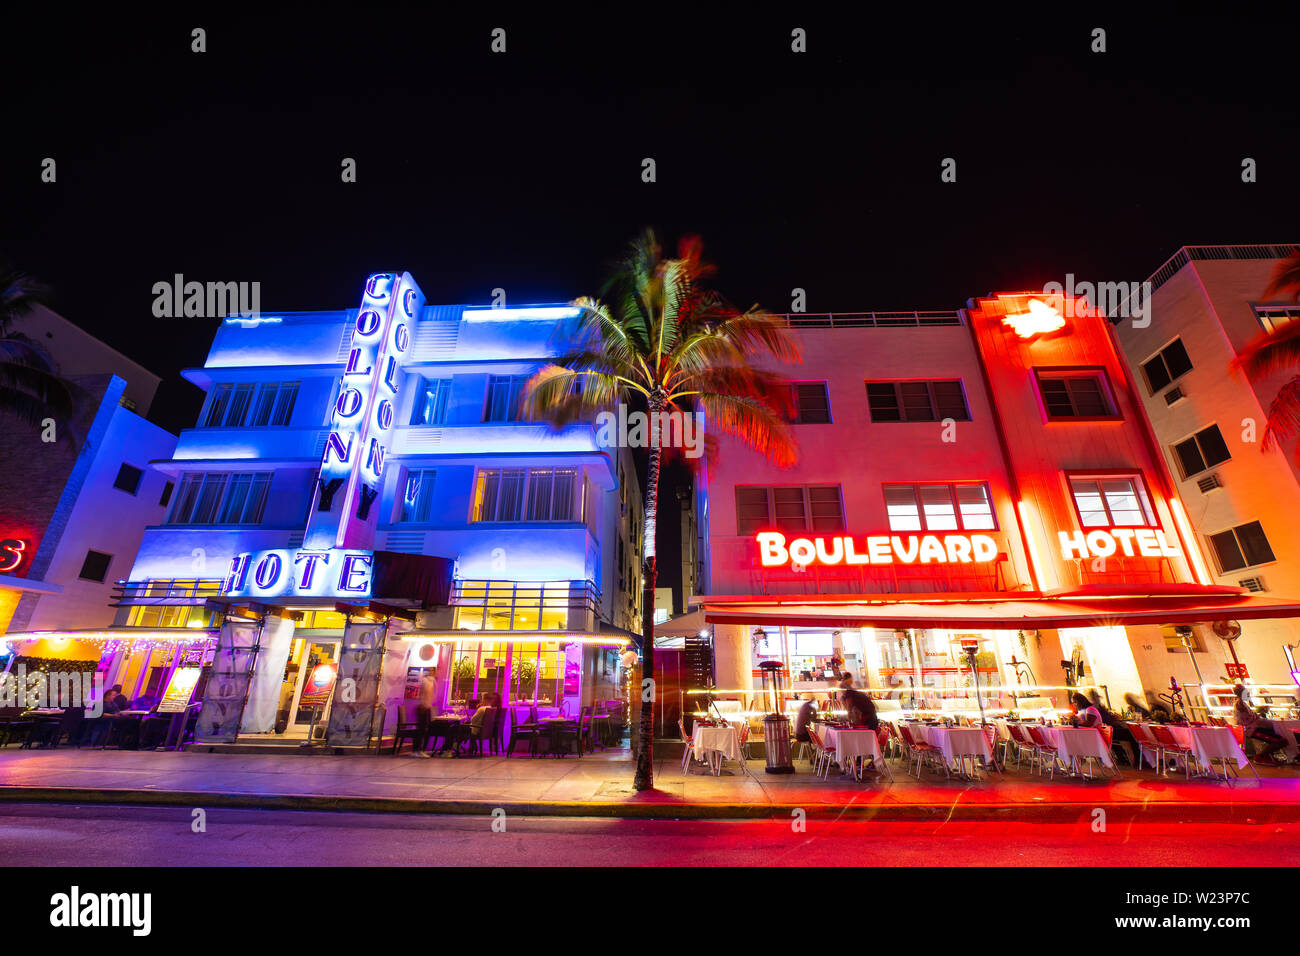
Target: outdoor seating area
[132, 729]
[512, 730]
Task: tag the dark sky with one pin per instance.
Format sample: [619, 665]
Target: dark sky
[522, 170]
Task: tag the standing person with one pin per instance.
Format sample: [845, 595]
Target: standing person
[1258, 728]
[807, 714]
[424, 713]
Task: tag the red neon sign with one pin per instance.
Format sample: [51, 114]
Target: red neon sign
[1040, 318]
[1147, 542]
[773, 551]
[12, 552]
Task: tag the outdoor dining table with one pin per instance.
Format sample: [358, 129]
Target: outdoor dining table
[1079, 743]
[955, 743]
[712, 745]
[853, 746]
[1207, 744]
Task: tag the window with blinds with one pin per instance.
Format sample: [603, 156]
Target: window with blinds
[526, 494]
[789, 508]
[917, 401]
[939, 507]
[240, 406]
[1069, 393]
[221, 498]
[417, 495]
[504, 398]
[430, 404]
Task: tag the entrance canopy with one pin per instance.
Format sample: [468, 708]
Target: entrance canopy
[999, 612]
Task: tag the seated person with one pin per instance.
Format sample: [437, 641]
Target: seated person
[861, 708]
[115, 700]
[1257, 728]
[1085, 715]
[1120, 735]
[807, 714]
[481, 725]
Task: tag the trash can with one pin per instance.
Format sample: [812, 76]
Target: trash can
[776, 730]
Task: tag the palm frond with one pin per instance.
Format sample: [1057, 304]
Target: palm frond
[19, 294]
[1271, 351]
[1283, 415]
[1285, 279]
[752, 421]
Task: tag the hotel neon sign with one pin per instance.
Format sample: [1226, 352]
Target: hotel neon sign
[773, 551]
[1133, 542]
[300, 574]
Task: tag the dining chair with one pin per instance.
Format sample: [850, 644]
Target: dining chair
[1044, 750]
[688, 743]
[1146, 743]
[920, 751]
[1168, 745]
[822, 764]
[527, 731]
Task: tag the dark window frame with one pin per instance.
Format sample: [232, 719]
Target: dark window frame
[1198, 445]
[900, 403]
[125, 468]
[1140, 487]
[1165, 366]
[1097, 373]
[797, 408]
[85, 564]
[771, 524]
[1234, 532]
[952, 487]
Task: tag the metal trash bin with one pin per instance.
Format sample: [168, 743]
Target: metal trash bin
[776, 730]
[776, 726]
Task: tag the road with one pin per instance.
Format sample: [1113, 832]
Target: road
[56, 835]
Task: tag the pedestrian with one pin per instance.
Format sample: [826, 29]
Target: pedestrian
[424, 713]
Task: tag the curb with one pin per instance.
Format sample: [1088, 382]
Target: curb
[1260, 813]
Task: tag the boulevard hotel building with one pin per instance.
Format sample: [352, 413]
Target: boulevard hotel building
[982, 480]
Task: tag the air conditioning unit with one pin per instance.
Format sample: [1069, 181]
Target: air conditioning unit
[1174, 395]
[1209, 483]
[1252, 584]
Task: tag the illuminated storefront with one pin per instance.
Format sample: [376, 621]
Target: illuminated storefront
[359, 504]
[978, 500]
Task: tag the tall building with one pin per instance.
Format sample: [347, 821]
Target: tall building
[1206, 306]
[75, 496]
[360, 499]
[978, 495]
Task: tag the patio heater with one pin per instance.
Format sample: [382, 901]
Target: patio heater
[970, 647]
[776, 726]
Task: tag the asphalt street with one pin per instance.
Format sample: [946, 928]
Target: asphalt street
[69, 835]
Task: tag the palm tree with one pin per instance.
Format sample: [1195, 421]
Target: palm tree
[661, 339]
[31, 388]
[1276, 350]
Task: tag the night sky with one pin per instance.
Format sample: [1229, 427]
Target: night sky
[522, 170]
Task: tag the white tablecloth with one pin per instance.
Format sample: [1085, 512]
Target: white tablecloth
[954, 742]
[848, 744]
[1209, 742]
[723, 740]
[1080, 742]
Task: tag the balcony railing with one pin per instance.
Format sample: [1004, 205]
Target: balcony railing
[174, 592]
[858, 320]
[525, 605]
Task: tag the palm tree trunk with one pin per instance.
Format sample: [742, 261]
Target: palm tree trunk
[644, 779]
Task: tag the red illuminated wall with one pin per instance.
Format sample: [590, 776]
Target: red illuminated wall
[1041, 452]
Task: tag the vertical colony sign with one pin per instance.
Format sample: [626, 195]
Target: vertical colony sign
[362, 419]
[335, 559]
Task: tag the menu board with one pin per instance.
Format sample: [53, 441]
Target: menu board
[179, 689]
[320, 682]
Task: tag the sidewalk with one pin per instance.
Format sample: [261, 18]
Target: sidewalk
[601, 785]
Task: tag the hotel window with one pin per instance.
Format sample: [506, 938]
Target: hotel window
[789, 508]
[1169, 363]
[1111, 502]
[1271, 316]
[168, 488]
[417, 495]
[504, 398]
[947, 507]
[221, 498]
[128, 479]
[1075, 394]
[917, 401]
[95, 566]
[811, 404]
[1203, 450]
[532, 494]
[1241, 547]
[234, 406]
[430, 405]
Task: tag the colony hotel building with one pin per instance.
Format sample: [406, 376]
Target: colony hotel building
[985, 478]
[360, 502]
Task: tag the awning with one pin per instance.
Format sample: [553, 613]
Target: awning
[684, 625]
[1012, 613]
